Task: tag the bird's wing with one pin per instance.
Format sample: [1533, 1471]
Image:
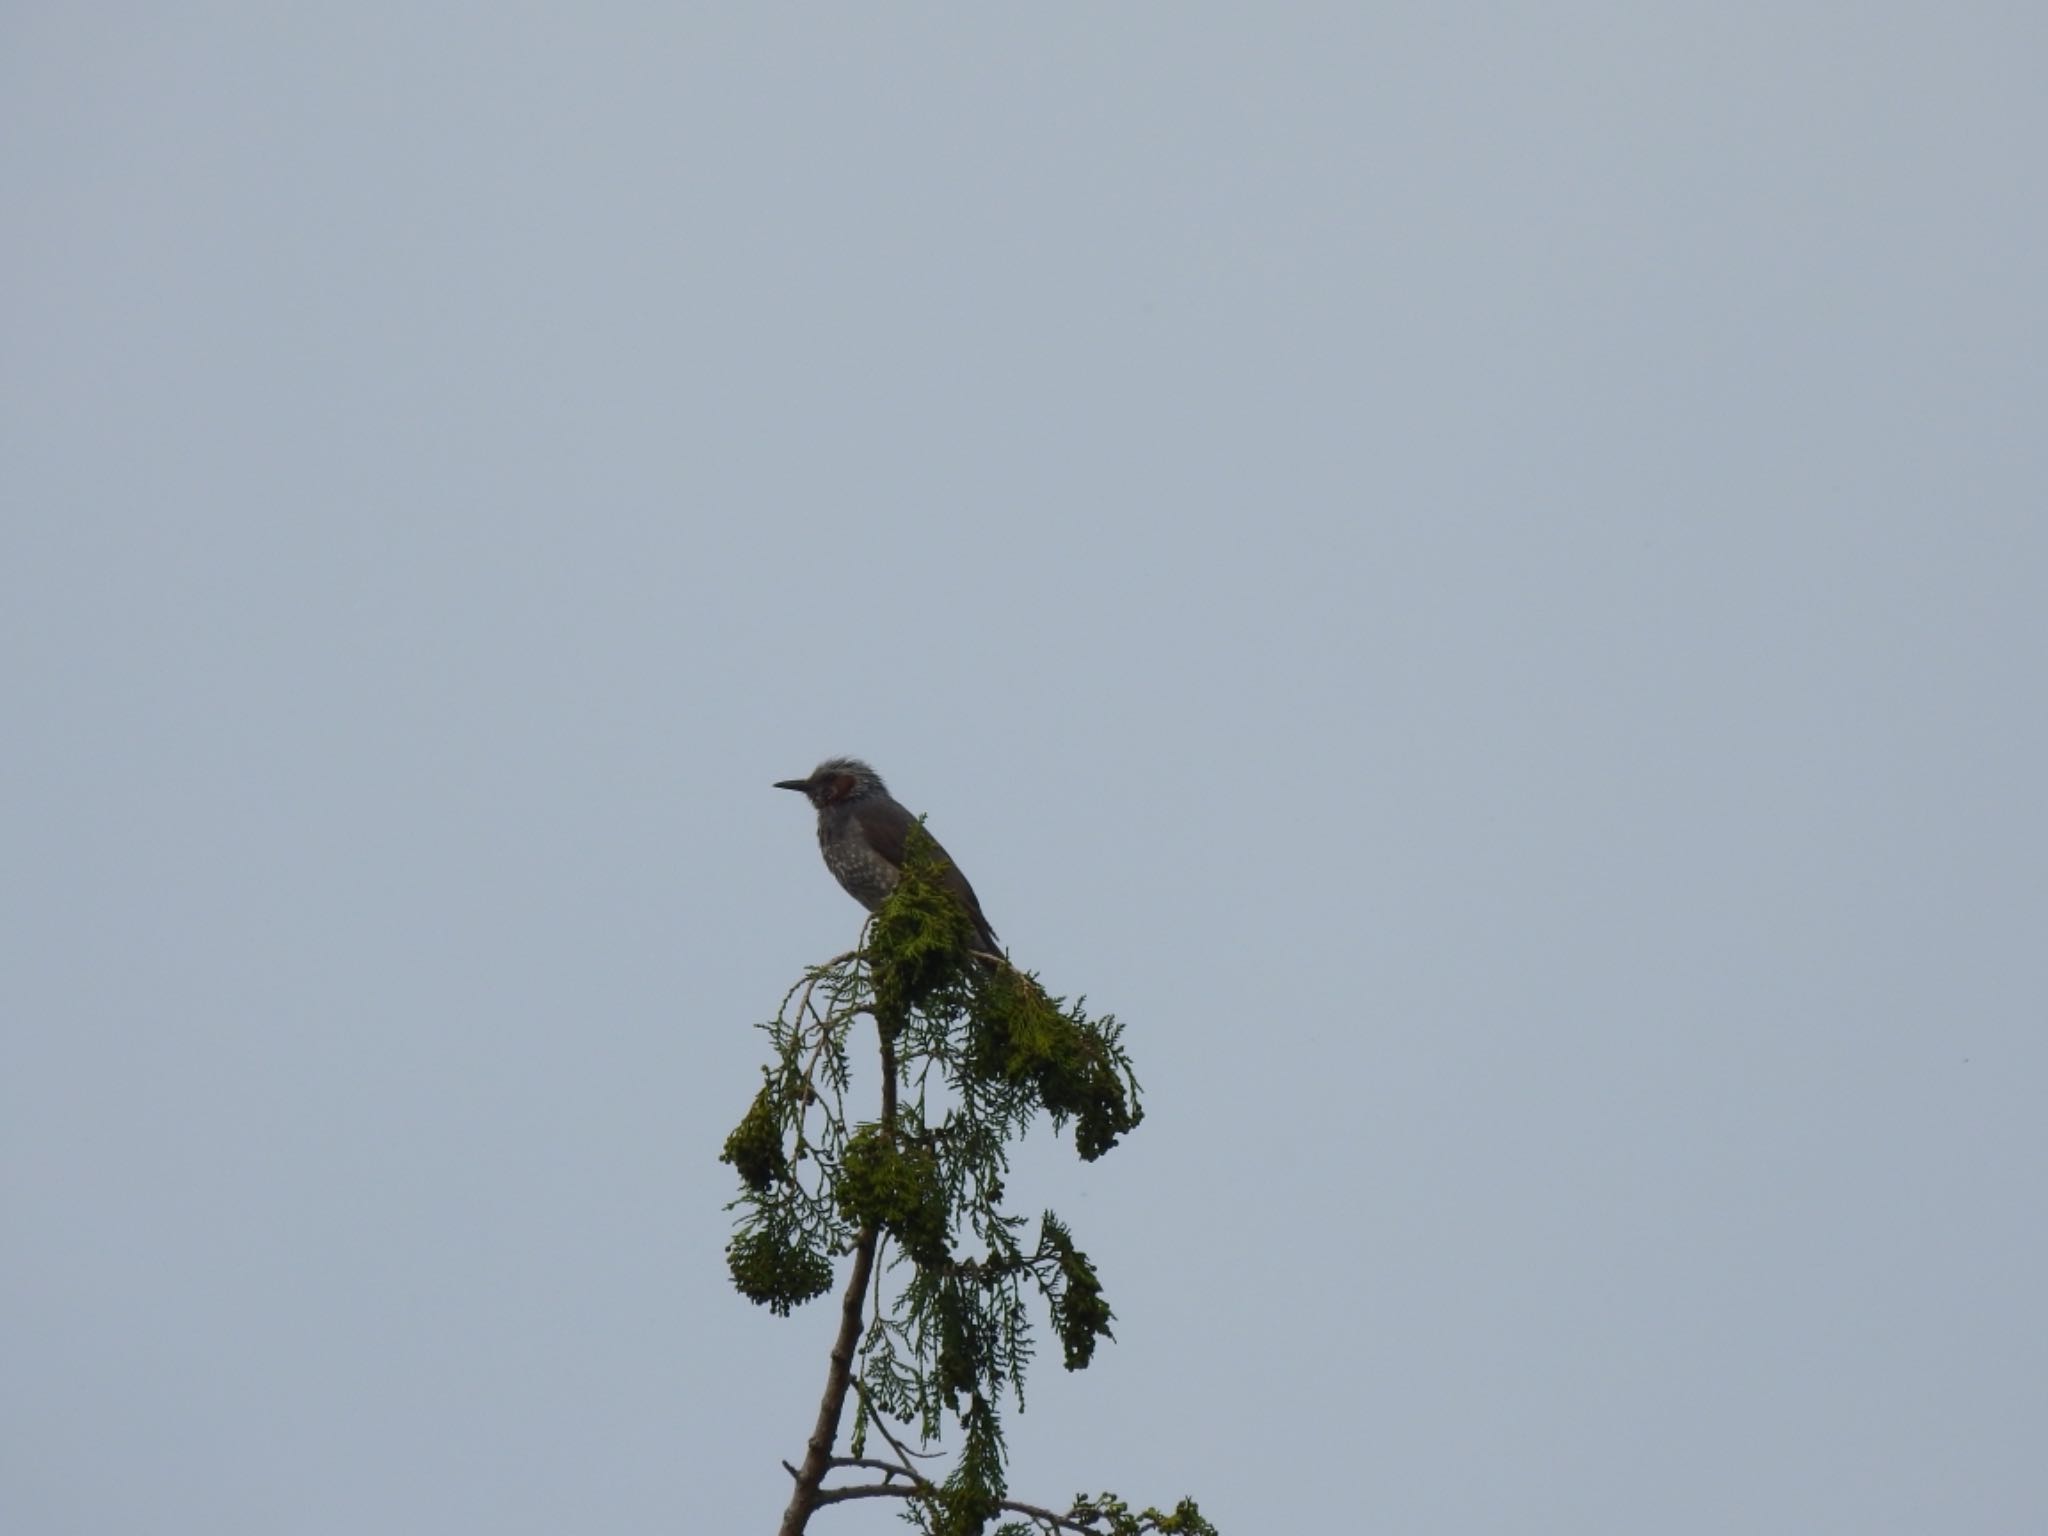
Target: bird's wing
[887, 829]
[885, 825]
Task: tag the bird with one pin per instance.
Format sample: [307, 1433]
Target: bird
[862, 831]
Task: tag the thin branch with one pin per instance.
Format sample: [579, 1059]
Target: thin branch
[903, 1452]
[830, 1023]
[1055, 1521]
[1088, 1523]
[810, 1073]
[870, 1463]
[870, 1491]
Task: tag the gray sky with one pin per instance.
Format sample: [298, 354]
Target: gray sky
[1480, 579]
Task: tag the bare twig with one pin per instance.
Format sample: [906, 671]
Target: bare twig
[870, 1491]
[886, 1468]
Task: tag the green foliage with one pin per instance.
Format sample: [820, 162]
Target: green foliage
[920, 943]
[893, 1184]
[774, 1266]
[1079, 1314]
[972, 1496]
[755, 1146]
[973, 1053]
[1072, 1065]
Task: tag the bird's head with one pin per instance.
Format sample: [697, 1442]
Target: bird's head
[837, 781]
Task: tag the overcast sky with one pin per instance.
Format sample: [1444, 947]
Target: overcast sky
[1477, 575]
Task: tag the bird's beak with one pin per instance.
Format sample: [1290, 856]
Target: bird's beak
[801, 786]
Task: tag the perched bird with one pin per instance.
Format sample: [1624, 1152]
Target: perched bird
[862, 831]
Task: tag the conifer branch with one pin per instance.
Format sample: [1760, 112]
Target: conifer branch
[984, 1051]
